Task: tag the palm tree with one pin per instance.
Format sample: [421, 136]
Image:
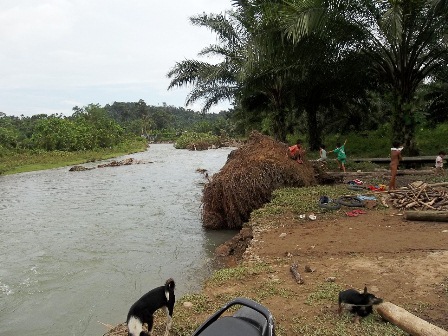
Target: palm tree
[405, 41]
[249, 72]
[210, 82]
[411, 47]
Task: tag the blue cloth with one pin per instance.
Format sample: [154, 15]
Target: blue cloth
[365, 198]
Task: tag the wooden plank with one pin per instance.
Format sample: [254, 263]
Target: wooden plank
[383, 173]
[405, 159]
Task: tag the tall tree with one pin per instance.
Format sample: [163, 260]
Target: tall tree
[406, 41]
[213, 82]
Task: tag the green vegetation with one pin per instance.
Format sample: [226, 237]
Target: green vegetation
[94, 133]
[326, 291]
[199, 141]
[321, 67]
[331, 325]
[237, 273]
[322, 71]
[19, 161]
[299, 201]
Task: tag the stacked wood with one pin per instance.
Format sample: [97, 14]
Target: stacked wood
[419, 196]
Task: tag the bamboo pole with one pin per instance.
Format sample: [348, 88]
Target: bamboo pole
[408, 322]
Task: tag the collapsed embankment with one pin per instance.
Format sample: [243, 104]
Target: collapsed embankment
[247, 180]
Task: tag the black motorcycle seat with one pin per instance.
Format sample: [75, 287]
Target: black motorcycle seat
[231, 326]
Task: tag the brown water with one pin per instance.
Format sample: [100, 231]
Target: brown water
[78, 248]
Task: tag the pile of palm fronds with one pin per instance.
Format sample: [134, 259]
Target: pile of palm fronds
[247, 180]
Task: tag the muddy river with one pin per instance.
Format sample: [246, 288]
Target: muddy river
[78, 248]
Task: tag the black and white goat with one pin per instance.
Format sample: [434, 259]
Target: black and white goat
[143, 309]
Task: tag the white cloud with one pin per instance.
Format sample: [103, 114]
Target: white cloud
[95, 51]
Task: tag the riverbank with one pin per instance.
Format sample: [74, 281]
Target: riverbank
[401, 261]
[13, 162]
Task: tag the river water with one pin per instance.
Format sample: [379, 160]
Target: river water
[78, 248]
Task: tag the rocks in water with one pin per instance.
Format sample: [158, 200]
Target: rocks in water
[125, 162]
[80, 168]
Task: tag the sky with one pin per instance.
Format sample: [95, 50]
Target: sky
[57, 54]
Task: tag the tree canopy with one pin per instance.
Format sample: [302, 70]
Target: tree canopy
[325, 63]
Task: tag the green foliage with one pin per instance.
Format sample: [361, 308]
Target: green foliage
[316, 67]
[167, 121]
[375, 143]
[24, 160]
[199, 141]
[432, 140]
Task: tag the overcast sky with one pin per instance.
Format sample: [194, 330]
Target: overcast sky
[57, 54]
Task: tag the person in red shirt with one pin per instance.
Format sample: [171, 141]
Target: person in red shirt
[297, 152]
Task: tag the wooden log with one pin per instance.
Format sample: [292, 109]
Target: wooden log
[382, 173]
[407, 321]
[428, 159]
[440, 184]
[430, 216]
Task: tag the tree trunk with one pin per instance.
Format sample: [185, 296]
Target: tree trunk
[279, 126]
[407, 321]
[403, 125]
[314, 139]
[430, 216]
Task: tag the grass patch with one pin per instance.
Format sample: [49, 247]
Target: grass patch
[272, 289]
[331, 324]
[26, 160]
[327, 291]
[222, 276]
[300, 200]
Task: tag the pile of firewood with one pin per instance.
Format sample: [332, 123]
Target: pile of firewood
[419, 196]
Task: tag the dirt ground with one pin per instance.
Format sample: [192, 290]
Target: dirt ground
[401, 261]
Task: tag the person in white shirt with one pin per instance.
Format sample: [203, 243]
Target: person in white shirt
[322, 154]
[439, 163]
